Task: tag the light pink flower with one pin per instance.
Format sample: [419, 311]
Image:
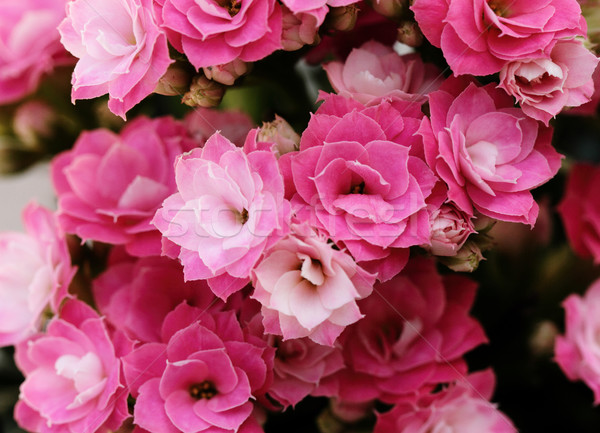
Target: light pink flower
[450, 229]
[309, 289]
[462, 408]
[217, 32]
[358, 177]
[121, 49]
[301, 28]
[544, 86]
[109, 186]
[35, 274]
[487, 151]
[374, 70]
[577, 352]
[229, 207]
[413, 336]
[29, 45]
[480, 36]
[72, 376]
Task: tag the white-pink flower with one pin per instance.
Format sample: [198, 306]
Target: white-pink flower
[121, 49]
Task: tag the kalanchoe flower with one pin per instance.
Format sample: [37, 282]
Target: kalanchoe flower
[309, 289]
[229, 207]
[450, 229]
[72, 376]
[109, 186]
[35, 274]
[203, 92]
[301, 28]
[121, 49]
[281, 134]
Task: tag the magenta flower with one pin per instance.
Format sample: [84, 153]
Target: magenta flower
[212, 33]
[121, 49]
[109, 186]
[229, 207]
[488, 152]
[479, 37]
[35, 274]
[72, 376]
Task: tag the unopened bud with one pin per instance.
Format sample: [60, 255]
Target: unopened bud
[204, 93]
[350, 412]
[299, 29]
[543, 338]
[176, 81]
[393, 9]
[342, 18]
[466, 260]
[14, 157]
[34, 122]
[228, 72]
[280, 133]
[410, 34]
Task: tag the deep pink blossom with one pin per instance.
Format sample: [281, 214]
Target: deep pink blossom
[489, 153]
[109, 186]
[73, 377]
[121, 49]
[480, 36]
[34, 274]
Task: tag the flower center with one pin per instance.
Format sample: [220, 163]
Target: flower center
[243, 216]
[232, 6]
[498, 7]
[358, 189]
[205, 390]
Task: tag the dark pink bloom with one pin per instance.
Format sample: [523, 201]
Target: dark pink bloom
[72, 376]
[109, 186]
[489, 153]
[480, 36]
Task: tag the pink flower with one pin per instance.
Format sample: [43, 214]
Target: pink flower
[72, 376]
[479, 37]
[217, 32]
[121, 50]
[577, 351]
[29, 45]
[580, 210]
[488, 152]
[375, 70]
[229, 207]
[462, 407]
[358, 177]
[202, 379]
[301, 28]
[544, 86]
[109, 186]
[450, 229]
[201, 123]
[413, 336]
[309, 289]
[35, 274]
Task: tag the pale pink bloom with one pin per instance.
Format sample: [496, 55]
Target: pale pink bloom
[374, 70]
[229, 207]
[121, 49]
[463, 407]
[479, 37]
[577, 352]
[544, 86]
[359, 177]
[202, 378]
[201, 123]
[109, 186]
[72, 376]
[301, 28]
[35, 274]
[414, 334]
[217, 32]
[309, 289]
[450, 229]
[489, 153]
[29, 45]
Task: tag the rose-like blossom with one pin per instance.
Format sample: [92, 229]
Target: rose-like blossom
[109, 186]
[34, 274]
[544, 86]
[461, 408]
[413, 336]
[202, 378]
[72, 376]
[375, 70]
[487, 151]
[301, 28]
[450, 229]
[359, 178]
[580, 210]
[201, 123]
[577, 351]
[216, 32]
[480, 36]
[309, 289]
[29, 45]
[229, 207]
[121, 49]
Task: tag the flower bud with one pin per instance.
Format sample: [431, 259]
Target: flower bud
[14, 157]
[204, 93]
[280, 133]
[450, 229]
[342, 18]
[466, 260]
[176, 81]
[392, 9]
[298, 30]
[543, 337]
[228, 72]
[410, 34]
[34, 122]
